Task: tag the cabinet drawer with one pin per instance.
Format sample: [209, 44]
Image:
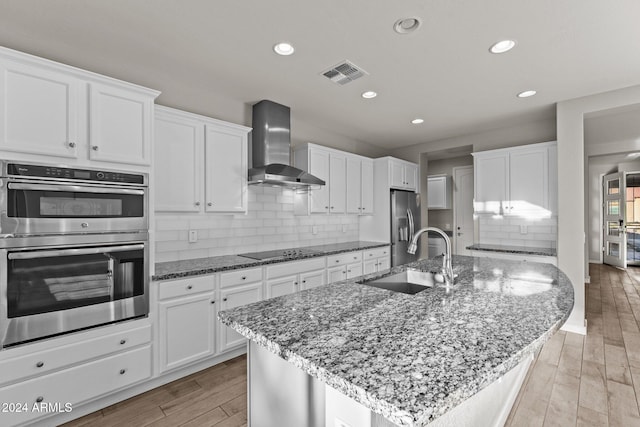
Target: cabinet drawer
[238, 277]
[188, 286]
[42, 362]
[343, 259]
[376, 253]
[77, 384]
[295, 267]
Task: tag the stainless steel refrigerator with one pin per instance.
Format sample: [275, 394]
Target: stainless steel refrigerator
[405, 221]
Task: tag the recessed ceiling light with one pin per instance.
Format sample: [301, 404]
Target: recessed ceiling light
[283, 49]
[502, 46]
[406, 25]
[417, 121]
[369, 94]
[526, 93]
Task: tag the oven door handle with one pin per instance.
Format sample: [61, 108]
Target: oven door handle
[71, 252]
[74, 188]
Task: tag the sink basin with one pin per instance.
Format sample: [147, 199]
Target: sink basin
[407, 282]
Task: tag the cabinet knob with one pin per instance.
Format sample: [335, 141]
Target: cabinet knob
[197, 203]
[295, 283]
[224, 299]
[244, 277]
[122, 371]
[331, 207]
[40, 364]
[189, 287]
[94, 147]
[71, 144]
[349, 271]
[326, 207]
[209, 204]
[304, 281]
[39, 399]
[123, 342]
[213, 302]
[337, 260]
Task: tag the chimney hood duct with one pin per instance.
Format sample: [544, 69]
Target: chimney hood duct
[271, 149]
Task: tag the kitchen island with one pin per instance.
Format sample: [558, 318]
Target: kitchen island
[401, 359]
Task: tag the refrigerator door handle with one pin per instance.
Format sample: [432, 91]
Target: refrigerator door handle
[411, 229]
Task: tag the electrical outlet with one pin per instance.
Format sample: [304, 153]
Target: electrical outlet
[344, 228]
[314, 229]
[193, 236]
[523, 229]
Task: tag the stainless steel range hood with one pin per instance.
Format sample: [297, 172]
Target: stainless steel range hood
[271, 149]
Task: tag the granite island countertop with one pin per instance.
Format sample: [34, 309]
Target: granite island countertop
[193, 267]
[508, 249]
[412, 358]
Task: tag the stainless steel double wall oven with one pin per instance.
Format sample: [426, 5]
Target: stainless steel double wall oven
[74, 249]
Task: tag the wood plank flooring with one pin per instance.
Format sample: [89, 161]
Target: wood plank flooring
[591, 380]
[214, 397]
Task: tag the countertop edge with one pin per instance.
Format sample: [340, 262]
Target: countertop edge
[510, 250]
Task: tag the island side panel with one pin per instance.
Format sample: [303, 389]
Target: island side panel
[281, 395]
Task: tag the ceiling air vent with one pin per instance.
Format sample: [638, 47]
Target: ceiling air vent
[344, 73]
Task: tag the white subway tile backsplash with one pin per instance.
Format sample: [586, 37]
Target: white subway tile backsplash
[269, 224]
[540, 233]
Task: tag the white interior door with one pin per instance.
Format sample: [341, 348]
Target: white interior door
[462, 209]
[615, 241]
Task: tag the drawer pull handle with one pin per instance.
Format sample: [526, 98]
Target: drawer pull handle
[197, 203]
[122, 371]
[190, 287]
[209, 204]
[72, 144]
[123, 342]
[224, 299]
[94, 147]
[244, 277]
[337, 260]
[39, 399]
[355, 257]
[40, 364]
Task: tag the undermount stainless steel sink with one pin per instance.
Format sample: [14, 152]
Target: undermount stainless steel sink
[407, 282]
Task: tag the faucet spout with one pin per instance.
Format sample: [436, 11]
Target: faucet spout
[447, 267]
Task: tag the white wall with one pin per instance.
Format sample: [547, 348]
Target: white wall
[269, 224]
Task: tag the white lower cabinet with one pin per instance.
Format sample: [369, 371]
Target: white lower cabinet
[75, 385]
[344, 266]
[377, 259]
[232, 297]
[287, 278]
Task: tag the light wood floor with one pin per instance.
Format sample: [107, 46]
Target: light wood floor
[591, 380]
[574, 381]
[214, 397]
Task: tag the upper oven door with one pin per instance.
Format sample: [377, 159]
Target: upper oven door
[45, 207]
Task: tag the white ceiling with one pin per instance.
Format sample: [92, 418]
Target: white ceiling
[442, 73]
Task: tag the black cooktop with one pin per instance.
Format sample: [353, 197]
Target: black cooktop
[292, 253]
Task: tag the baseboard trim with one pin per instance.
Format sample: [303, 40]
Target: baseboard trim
[595, 261]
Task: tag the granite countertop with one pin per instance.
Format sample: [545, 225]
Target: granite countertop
[193, 267]
[412, 358]
[513, 249]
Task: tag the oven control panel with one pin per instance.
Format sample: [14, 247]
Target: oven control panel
[41, 171]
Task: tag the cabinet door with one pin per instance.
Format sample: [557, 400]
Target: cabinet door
[396, 174]
[282, 286]
[236, 297]
[367, 187]
[370, 266]
[354, 185]
[383, 263]
[411, 177]
[337, 183]
[225, 169]
[336, 274]
[354, 270]
[319, 166]
[39, 110]
[491, 182]
[529, 185]
[312, 279]
[178, 164]
[187, 330]
[120, 125]
[437, 196]
[553, 180]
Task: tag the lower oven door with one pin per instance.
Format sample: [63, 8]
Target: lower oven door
[47, 292]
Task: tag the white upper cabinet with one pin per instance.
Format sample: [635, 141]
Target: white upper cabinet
[438, 192]
[319, 167]
[226, 168]
[51, 109]
[359, 185]
[120, 125]
[179, 141]
[337, 183]
[516, 181]
[402, 174]
[39, 110]
[200, 163]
